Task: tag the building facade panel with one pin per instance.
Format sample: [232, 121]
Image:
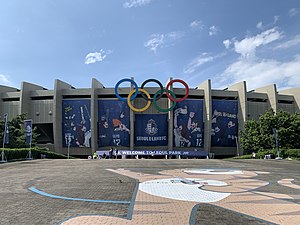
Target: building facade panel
[46, 108]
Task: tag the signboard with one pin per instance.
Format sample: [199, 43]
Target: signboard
[151, 130]
[114, 123]
[76, 123]
[28, 130]
[158, 152]
[188, 124]
[224, 123]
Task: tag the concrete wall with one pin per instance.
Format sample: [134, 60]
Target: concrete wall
[45, 106]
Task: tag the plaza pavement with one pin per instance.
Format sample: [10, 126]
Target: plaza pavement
[193, 191]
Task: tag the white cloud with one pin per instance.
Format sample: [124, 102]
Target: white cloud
[136, 3]
[175, 35]
[94, 57]
[290, 43]
[213, 30]
[259, 25]
[155, 41]
[276, 18]
[247, 46]
[160, 40]
[227, 43]
[293, 12]
[258, 73]
[4, 80]
[197, 25]
[199, 61]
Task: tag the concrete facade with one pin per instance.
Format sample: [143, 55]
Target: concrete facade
[45, 108]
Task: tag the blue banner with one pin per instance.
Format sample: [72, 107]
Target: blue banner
[76, 123]
[114, 123]
[157, 152]
[151, 130]
[224, 123]
[6, 130]
[188, 124]
[275, 136]
[28, 130]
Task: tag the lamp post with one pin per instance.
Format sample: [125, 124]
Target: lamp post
[237, 146]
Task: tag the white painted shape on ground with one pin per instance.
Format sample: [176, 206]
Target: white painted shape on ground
[213, 171]
[173, 188]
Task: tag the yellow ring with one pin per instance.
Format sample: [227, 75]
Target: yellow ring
[132, 107]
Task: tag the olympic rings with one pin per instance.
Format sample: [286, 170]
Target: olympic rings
[186, 90]
[132, 107]
[133, 94]
[160, 92]
[155, 81]
[124, 80]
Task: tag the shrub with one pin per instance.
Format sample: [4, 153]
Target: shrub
[22, 153]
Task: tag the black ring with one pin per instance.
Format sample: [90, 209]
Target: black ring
[155, 81]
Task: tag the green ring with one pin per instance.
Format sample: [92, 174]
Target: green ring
[160, 109]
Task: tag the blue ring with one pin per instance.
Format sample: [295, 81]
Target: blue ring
[132, 82]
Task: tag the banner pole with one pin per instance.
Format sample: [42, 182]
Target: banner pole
[30, 156]
[4, 137]
[3, 144]
[2, 153]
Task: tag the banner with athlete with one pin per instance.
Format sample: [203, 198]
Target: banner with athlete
[188, 124]
[224, 123]
[151, 130]
[114, 123]
[76, 123]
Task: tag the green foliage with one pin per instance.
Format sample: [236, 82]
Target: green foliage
[284, 153]
[22, 153]
[258, 135]
[17, 133]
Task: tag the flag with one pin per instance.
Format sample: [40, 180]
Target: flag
[28, 129]
[6, 130]
[275, 136]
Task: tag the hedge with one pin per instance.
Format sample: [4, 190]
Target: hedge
[284, 153]
[36, 152]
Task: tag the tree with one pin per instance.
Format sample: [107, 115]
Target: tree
[17, 133]
[258, 135]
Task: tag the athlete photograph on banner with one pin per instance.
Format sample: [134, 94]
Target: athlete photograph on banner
[224, 123]
[76, 123]
[113, 125]
[188, 124]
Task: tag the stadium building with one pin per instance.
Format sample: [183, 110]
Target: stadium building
[93, 119]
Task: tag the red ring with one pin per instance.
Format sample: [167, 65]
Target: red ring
[187, 90]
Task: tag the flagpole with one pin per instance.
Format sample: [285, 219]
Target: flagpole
[2, 153]
[4, 139]
[30, 156]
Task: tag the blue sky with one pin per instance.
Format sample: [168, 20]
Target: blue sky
[194, 40]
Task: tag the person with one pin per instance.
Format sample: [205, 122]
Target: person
[110, 153]
[253, 155]
[95, 155]
[116, 152]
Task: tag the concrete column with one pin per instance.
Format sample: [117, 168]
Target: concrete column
[59, 86]
[296, 93]
[241, 88]
[271, 91]
[170, 122]
[207, 113]
[131, 122]
[4, 90]
[25, 101]
[94, 114]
